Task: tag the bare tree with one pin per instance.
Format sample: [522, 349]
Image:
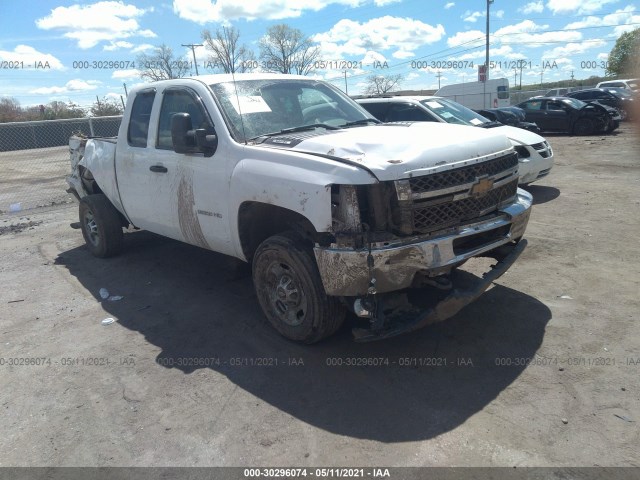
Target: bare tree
[225, 51]
[10, 110]
[162, 65]
[379, 84]
[286, 50]
[106, 107]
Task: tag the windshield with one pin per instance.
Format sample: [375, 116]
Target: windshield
[574, 102]
[453, 112]
[269, 106]
[621, 92]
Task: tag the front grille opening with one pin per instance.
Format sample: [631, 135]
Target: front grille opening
[464, 175]
[436, 217]
[465, 245]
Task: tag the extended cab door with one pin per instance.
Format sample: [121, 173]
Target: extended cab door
[178, 195]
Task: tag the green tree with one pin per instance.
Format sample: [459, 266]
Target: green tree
[623, 59]
[57, 109]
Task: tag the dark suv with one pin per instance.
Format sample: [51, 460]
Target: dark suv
[623, 102]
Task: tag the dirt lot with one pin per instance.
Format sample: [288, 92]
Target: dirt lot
[543, 370]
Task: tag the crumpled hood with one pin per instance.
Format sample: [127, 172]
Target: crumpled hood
[394, 151]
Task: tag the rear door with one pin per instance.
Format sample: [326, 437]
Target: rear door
[557, 117]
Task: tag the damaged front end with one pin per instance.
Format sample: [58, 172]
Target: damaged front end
[398, 243]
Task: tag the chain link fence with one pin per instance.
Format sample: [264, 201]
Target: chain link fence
[34, 160]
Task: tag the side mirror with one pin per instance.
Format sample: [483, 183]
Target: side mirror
[187, 140]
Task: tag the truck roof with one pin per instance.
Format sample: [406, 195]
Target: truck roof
[224, 77]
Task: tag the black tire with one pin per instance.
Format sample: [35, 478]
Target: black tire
[290, 291]
[583, 126]
[101, 226]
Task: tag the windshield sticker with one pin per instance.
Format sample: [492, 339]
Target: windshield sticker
[249, 104]
[433, 104]
[446, 115]
[476, 121]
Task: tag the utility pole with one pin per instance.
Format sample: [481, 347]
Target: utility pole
[346, 89]
[193, 51]
[541, 75]
[486, 62]
[126, 94]
[515, 77]
[571, 77]
[439, 74]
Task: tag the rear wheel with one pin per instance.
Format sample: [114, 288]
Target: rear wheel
[101, 226]
[584, 126]
[290, 290]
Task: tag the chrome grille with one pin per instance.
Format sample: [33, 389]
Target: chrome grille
[461, 176]
[435, 217]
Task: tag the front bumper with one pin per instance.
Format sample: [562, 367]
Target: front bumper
[345, 271]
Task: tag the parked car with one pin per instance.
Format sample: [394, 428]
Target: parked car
[332, 209]
[534, 152]
[559, 92]
[566, 114]
[628, 84]
[624, 102]
[507, 116]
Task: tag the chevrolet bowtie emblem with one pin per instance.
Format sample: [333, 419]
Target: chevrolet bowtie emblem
[482, 186]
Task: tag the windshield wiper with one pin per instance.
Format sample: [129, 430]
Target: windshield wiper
[301, 128]
[364, 121]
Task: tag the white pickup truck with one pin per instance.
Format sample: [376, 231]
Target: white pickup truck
[333, 210]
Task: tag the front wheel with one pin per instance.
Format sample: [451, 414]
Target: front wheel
[290, 290]
[584, 126]
[101, 225]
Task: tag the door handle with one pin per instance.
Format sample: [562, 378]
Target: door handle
[158, 169]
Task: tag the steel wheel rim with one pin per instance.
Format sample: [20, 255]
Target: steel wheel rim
[286, 296]
[91, 227]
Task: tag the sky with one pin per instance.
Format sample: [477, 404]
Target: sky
[75, 51]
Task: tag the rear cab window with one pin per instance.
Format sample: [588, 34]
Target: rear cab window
[140, 117]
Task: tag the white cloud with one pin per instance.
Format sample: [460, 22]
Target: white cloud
[572, 49]
[205, 11]
[603, 56]
[577, 6]
[382, 3]
[472, 17]
[125, 74]
[95, 23]
[404, 35]
[500, 13]
[622, 20]
[470, 37]
[449, 5]
[143, 48]
[532, 7]
[117, 45]
[71, 86]
[526, 33]
[29, 57]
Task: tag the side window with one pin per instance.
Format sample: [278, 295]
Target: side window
[139, 121]
[554, 106]
[178, 101]
[406, 113]
[533, 105]
[503, 92]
